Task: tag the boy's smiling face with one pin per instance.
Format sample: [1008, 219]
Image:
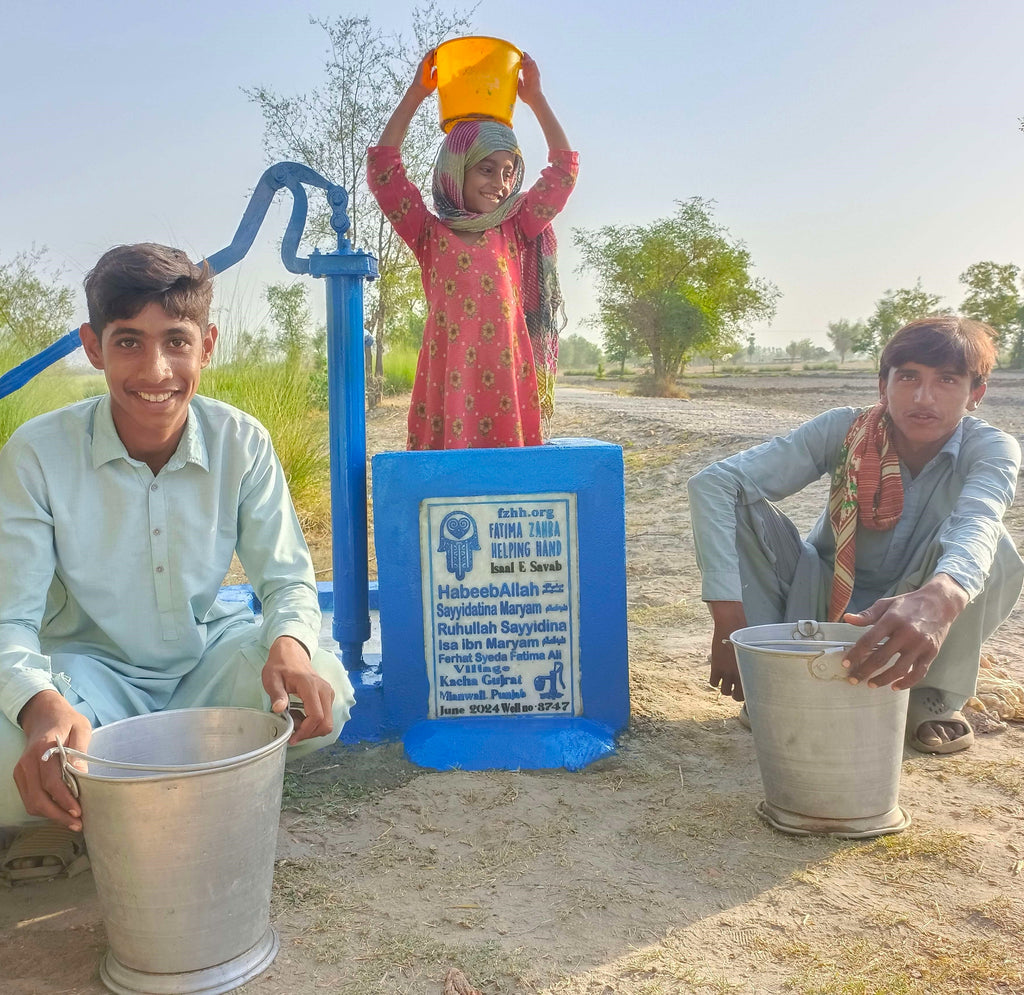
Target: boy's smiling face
[151, 364]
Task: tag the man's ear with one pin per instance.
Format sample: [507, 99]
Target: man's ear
[977, 393]
[91, 345]
[881, 389]
[209, 341]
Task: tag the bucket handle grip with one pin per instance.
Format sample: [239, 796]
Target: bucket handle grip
[66, 767]
[828, 666]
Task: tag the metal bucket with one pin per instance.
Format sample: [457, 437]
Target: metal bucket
[830, 752]
[180, 811]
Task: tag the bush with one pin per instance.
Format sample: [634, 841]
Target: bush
[830, 365]
[648, 385]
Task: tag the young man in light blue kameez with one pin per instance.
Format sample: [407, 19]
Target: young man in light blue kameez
[119, 517]
[914, 549]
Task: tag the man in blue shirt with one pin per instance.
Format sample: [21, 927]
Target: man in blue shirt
[119, 517]
[912, 545]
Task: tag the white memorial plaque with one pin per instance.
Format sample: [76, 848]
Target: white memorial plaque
[501, 605]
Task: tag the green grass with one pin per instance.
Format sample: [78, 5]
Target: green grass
[51, 389]
[280, 396]
[399, 369]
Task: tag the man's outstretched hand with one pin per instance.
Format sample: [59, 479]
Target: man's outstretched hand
[910, 627]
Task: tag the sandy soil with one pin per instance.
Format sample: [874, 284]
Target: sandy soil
[649, 872]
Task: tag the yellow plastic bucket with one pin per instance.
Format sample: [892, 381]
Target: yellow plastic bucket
[476, 78]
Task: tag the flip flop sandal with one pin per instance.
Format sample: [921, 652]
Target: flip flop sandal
[929, 705]
[42, 853]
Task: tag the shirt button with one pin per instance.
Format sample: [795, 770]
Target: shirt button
[155, 487]
[156, 532]
[159, 570]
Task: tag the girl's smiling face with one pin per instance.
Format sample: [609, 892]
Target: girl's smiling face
[488, 184]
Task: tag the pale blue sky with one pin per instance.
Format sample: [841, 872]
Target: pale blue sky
[854, 146]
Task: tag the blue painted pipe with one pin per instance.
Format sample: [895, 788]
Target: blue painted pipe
[345, 271]
[20, 375]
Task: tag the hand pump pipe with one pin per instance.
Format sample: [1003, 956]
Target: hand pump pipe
[344, 269]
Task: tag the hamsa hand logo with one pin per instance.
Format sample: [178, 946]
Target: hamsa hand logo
[459, 538]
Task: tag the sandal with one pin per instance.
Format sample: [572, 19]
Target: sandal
[44, 852]
[929, 705]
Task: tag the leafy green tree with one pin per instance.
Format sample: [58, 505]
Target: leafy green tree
[577, 353]
[993, 297]
[289, 312]
[674, 287]
[804, 349]
[35, 307]
[843, 334]
[365, 74]
[893, 310]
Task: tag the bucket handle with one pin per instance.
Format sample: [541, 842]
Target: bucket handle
[68, 768]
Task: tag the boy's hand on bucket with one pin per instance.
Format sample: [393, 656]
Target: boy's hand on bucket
[45, 717]
[288, 672]
[905, 634]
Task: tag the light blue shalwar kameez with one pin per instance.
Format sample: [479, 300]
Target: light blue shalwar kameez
[110, 576]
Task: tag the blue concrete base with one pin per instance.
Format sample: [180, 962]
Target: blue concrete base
[481, 743]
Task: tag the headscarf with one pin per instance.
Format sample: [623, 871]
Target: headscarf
[867, 489]
[464, 146]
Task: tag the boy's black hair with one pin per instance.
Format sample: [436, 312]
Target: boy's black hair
[128, 277]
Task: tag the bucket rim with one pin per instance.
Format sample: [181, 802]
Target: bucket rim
[173, 771]
[828, 637]
[502, 41]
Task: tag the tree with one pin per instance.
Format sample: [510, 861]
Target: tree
[366, 72]
[35, 308]
[892, 311]
[992, 296]
[577, 353]
[289, 311]
[672, 288]
[804, 349]
[842, 334]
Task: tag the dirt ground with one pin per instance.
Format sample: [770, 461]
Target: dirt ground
[649, 872]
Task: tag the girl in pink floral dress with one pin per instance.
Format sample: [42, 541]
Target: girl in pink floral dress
[485, 374]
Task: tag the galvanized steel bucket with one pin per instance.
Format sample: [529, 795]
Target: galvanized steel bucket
[830, 752]
[180, 811]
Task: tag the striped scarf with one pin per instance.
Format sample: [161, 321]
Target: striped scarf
[464, 146]
[866, 489]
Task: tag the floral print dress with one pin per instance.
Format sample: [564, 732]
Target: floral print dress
[476, 385]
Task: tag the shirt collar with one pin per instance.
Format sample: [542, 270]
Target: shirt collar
[107, 445]
[954, 442]
[951, 447]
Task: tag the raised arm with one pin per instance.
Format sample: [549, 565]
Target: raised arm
[424, 83]
[530, 93]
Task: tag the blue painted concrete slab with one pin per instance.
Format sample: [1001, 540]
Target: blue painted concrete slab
[474, 734]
